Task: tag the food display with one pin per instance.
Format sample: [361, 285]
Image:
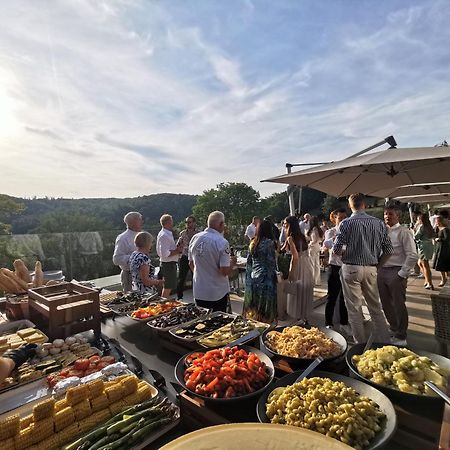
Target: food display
[178, 316]
[401, 369]
[81, 368]
[51, 357]
[328, 407]
[109, 297]
[225, 373]
[299, 342]
[231, 332]
[21, 337]
[122, 406]
[203, 326]
[19, 280]
[155, 309]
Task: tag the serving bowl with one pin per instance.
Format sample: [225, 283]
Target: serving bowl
[358, 349]
[181, 366]
[389, 426]
[305, 362]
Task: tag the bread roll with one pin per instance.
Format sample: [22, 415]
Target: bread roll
[21, 270]
[8, 284]
[23, 285]
[38, 275]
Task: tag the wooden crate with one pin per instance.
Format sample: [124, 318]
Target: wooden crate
[65, 309]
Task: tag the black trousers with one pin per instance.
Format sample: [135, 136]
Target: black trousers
[183, 270]
[335, 295]
[217, 305]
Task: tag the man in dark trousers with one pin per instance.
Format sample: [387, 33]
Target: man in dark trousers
[183, 263]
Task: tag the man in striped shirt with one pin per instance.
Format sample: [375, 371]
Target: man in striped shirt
[364, 244]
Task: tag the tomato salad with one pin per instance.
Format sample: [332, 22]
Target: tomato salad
[225, 373]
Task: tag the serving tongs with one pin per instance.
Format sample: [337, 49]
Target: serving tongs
[438, 391]
[304, 374]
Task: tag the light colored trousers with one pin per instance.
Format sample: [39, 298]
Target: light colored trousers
[393, 298]
[314, 254]
[125, 279]
[358, 283]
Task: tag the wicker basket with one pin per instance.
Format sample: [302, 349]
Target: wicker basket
[440, 305]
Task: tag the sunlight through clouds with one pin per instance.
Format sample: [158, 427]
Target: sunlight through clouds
[124, 98]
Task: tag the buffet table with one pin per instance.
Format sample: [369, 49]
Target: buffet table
[152, 355]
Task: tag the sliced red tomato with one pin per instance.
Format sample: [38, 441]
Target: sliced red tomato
[94, 358]
[81, 364]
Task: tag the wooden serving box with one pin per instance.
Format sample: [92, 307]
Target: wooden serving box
[65, 309]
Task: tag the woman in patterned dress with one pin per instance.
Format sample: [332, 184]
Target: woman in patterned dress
[260, 298]
[142, 271]
[423, 235]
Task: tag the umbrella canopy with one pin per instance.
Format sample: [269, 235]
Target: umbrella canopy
[427, 198]
[414, 189]
[372, 172]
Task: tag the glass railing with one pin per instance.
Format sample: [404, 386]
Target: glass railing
[80, 255]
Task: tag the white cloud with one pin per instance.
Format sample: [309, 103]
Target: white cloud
[128, 98]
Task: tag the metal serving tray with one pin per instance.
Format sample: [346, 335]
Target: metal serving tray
[200, 319]
[206, 311]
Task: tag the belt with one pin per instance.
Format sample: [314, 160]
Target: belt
[361, 265]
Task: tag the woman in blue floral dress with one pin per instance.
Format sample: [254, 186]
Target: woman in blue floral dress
[142, 271]
[260, 299]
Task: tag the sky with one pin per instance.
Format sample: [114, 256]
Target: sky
[123, 98]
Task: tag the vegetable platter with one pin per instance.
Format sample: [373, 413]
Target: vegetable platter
[177, 316]
[125, 304]
[411, 371]
[196, 329]
[231, 332]
[226, 374]
[124, 413]
[154, 310]
[50, 357]
[341, 409]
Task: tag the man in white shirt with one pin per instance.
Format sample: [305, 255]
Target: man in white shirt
[125, 247]
[305, 224]
[392, 277]
[250, 232]
[168, 253]
[211, 263]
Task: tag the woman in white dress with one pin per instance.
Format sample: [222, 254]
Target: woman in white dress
[300, 288]
[315, 234]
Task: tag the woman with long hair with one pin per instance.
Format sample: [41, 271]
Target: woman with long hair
[301, 275]
[423, 235]
[442, 258]
[315, 235]
[260, 298]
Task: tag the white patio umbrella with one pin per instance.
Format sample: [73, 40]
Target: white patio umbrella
[413, 189]
[372, 172]
[427, 198]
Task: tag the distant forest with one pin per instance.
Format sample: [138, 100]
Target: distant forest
[48, 215]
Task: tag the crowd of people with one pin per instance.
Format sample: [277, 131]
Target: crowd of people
[368, 262]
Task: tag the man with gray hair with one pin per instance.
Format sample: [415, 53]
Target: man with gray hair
[124, 247]
[211, 263]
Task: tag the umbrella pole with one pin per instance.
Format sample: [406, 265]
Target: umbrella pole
[290, 192]
[410, 208]
[300, 192]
